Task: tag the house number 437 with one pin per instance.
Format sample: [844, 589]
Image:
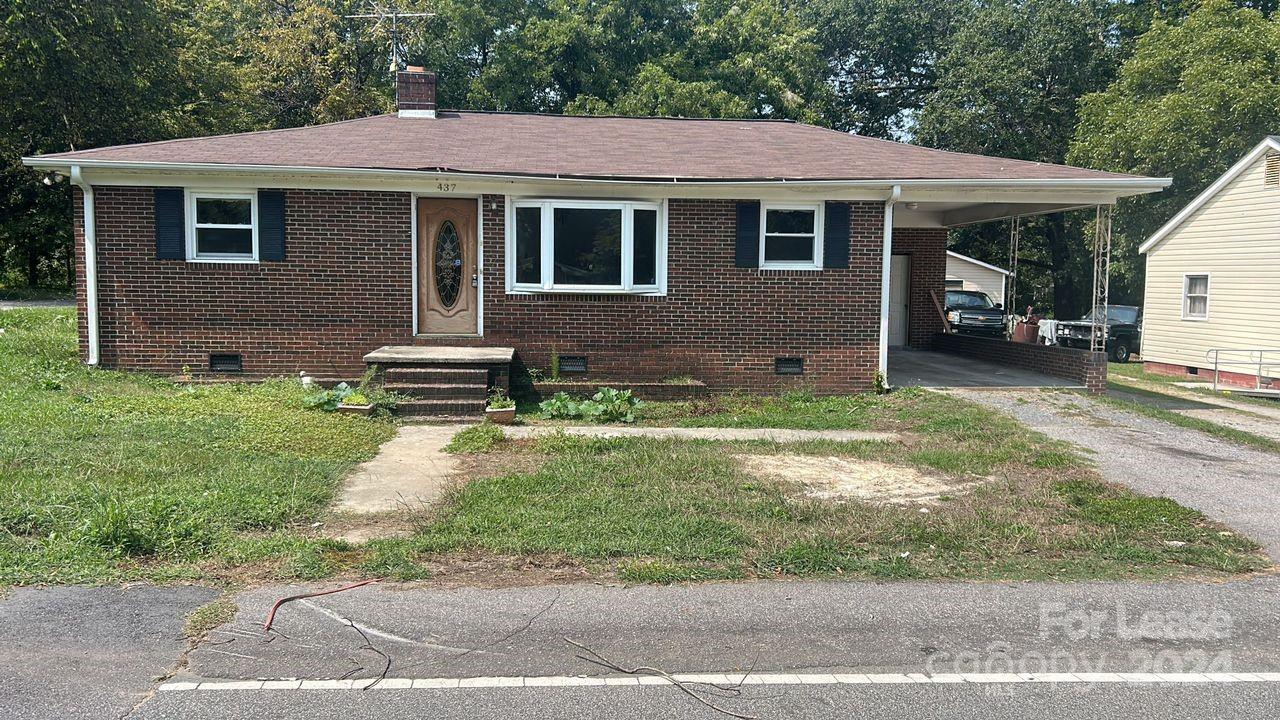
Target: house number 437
[446, 187]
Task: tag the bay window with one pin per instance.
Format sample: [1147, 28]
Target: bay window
[586, 246]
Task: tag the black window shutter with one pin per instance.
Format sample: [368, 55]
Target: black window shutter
[747, 252]
[271, 225]
[171, 227]
[835, 235]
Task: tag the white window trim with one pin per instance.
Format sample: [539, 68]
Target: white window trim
[817, 209]
[548, 285]
[191, 197]
[1186, 296]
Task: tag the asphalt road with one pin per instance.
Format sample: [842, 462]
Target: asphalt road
[96, 652]
[73, 652]
[951, 702]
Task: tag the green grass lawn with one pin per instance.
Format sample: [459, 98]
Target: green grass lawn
[663, 510]
[114, 476]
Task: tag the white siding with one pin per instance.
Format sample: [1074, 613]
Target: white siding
[1235, 239]
[976, 277]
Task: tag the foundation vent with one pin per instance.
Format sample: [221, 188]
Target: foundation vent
[573, 364]
[225, 362]
[788, 366]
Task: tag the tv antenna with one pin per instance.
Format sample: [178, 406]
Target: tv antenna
[391, 15]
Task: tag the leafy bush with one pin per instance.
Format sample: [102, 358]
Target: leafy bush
[607, 405]
[355, 398]
[329, 400]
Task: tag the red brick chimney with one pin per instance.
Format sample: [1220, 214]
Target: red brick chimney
[416, 92]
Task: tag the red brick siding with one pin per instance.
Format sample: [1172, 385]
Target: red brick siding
[1081, 366]
[928, 250]
[345, 289]
[1226, 377]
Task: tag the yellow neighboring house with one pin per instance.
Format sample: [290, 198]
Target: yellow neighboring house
[1213, 279]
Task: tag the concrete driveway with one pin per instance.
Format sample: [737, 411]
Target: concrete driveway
[926, 368]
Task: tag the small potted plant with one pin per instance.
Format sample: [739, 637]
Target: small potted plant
[356, 403]
[501, 409]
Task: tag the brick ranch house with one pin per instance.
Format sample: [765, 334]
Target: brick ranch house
[750, 254]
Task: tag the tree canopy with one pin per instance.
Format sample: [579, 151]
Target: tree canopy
[1157, 87]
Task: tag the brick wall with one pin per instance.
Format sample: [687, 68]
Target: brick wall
[928, 250]
[1205, 374]
[1080, 366]
[345, 289]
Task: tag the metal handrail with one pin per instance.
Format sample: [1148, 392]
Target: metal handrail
[1252, 361]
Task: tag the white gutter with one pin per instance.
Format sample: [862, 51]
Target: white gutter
[90, 263]
[885, 266]
[48, 163]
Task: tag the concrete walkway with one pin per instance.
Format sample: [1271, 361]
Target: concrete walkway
[1229, 483]
[410, 471]
[925, 368]
[770, 434]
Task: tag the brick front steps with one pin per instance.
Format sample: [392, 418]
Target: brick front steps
[442, 381]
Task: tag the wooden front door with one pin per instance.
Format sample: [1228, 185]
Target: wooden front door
[447, 267]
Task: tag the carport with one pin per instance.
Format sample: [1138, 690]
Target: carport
[912, 315]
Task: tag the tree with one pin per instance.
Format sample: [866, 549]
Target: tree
[1008, 86]
[75, 74]
[740, 58]
[881, 57]
[1192, 99]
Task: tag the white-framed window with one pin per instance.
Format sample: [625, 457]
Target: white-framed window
[1195, 296]
[791, 236]
[222, 226]
[589, 246]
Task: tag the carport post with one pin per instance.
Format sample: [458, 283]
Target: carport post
[885, 265]
[1101, 278]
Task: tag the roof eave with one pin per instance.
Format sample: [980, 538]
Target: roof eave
[1271, 142]
[1131, 184]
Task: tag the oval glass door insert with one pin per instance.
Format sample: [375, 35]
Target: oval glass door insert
[448, 264]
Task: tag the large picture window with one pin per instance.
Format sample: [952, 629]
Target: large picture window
[586, 246]
[790, 236]
[222, 227]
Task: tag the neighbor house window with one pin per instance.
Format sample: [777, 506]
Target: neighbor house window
[222, 226]
[1195, 297]
[586, 246]
[790, 236]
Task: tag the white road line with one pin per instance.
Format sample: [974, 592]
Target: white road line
[725, 679]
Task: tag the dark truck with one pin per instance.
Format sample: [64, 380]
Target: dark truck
[972, 313]
[1124, 331]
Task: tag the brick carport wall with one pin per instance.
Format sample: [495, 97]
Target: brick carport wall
[927, 248]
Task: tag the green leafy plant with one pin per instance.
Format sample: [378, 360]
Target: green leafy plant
[555, 366]
[499, 400]
[613, 405]
[329, 400]
[356, 398]
[607, 405]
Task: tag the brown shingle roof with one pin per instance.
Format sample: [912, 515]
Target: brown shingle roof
[589, 147]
